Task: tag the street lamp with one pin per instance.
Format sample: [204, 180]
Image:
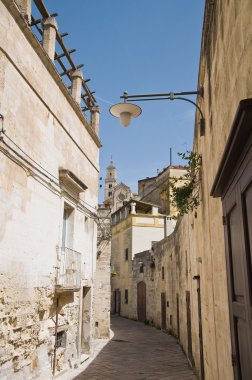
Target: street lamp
[126, 111]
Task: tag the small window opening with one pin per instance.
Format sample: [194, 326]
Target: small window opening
[127, 254]
[61, 339]
[141, 267]
[126, 296]
[162, 273]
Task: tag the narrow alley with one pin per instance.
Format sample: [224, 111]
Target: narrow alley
[138, 352]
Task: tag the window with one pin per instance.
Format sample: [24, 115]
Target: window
[162, 273]
[110, 193]
[67, 226]
[110, 185]
[127, 254]
[141, 268]
[61, 339]
[126, 296]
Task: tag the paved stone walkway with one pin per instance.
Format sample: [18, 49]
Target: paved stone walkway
[138, 352]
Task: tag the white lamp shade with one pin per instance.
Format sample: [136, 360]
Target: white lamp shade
[125, 111]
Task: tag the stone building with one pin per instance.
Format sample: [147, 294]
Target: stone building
[158, 189]
[198, 279]
[115, 194]
[49, 186]
[134, 227]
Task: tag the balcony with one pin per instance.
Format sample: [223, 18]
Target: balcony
[68, 277]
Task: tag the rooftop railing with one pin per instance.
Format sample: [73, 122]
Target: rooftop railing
[63, 60]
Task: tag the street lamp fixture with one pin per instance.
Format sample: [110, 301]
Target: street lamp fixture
[126, 111]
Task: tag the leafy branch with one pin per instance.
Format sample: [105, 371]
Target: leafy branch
[185, 194]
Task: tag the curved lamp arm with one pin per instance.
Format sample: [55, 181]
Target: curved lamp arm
[170, 96]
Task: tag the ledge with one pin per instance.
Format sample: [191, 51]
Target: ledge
[66, 289]
[70, 179]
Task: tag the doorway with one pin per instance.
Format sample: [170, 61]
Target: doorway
[189, 326]
[163, 311]
[117, 301]
[141, 301]
[86, 320]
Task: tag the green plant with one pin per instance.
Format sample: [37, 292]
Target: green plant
[185, 190]
[114, 271]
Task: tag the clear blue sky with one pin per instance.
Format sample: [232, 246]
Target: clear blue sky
[141, 46]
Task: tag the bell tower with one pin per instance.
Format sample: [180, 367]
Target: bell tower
[110, 182]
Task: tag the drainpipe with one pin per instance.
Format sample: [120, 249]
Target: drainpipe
[202, 372]
[55, 332]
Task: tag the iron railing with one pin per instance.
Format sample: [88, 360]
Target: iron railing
[68, 268]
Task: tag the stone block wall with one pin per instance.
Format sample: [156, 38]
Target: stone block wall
[102, 290]
[194, 255]
[102, 281]
[50, 132]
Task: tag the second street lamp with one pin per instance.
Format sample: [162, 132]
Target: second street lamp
[126, 111]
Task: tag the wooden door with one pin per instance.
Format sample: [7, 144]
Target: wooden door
[237, 205]
[117, 301]
[189, 325]
[163, 311]
[233, 182]
[141, 301]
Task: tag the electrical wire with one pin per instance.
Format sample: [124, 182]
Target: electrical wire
[80, 203]
[46, 171]
[29, 156]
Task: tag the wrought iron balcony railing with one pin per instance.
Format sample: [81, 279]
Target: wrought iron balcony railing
[68, 270]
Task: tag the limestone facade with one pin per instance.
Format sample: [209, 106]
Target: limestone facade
[134, 227]
[102, 284]
[158, 189]
[49, 186]
[186, 272]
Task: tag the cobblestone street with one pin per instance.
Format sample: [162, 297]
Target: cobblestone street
[138, 352]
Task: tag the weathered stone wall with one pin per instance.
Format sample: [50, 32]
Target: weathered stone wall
[42, 118]
[158, 190]
[122, 266]
[196, 248]
[102, 283]
[102, 293]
